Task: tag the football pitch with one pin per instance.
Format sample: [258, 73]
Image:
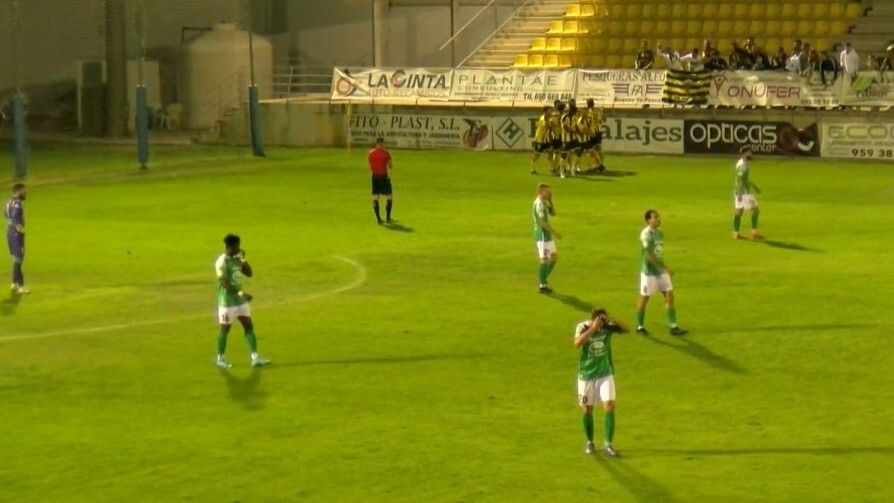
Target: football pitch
[418, 362]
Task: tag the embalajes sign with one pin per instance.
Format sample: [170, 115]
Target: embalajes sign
[727, 137]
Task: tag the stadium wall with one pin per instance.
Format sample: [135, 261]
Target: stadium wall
[791, 133]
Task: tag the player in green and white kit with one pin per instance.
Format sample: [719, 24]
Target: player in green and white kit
[595, 374]
[654, 275]
[233, 302]
[544, 234]
[743, 199]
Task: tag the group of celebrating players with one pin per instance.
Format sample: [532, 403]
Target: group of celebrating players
[566, 134]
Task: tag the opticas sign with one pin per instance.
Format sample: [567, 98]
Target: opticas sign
[860, 131]
[726, 137]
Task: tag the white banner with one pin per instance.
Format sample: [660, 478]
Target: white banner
[410, 83]
[420, 131]
[543, 86]
[854, 140]
[868, 88]
[643, 136]
[621, 88]
[772, 89]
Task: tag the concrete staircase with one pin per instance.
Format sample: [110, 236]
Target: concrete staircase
[532, 21]
[874, 31]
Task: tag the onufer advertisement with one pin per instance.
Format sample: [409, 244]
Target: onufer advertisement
[727, 137]
[410, 83]
[420, 131]
[858, 141]
[771, 89]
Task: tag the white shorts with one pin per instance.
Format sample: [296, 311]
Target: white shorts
[748, 202]
[227, 315]
[648, 285]
[596, 390]
[545, 249]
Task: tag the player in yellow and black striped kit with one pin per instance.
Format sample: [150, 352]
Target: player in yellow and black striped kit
[593, 134]
[570, 140]
[543, 139]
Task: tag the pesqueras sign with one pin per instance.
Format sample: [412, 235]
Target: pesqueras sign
[727, 137]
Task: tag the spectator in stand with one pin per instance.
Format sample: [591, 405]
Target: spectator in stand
[849, 61]
[750, 56]
[827, 64]
[793, 64]
[811, 62]
[738, 58]
[887, 63]
[871, 63]
[707, 49]
[779, 59]
[693, 61]
[671, 57]
[797, 47]
[645, 58]
[715, 62]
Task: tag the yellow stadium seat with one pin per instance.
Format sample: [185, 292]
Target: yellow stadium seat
[565, 61]
[774, 28]
[573, 11]
[663, 11]
[771, 44]
[805, 28]
[679, 44]
[837, 27]
[822, 28]
[694, 10]
[678, 27]
[570, 27]
[587, 10]
[597, 61]
[551, 61]
[598, 45]
[836, 10]
[553, 44]
[724, 45]
[535, 61]
[821, 10]
[694, 28]
[568, 44]
[614, 45]
[634, 11]
[615, 27]
[725, 11]
[741, 10]
[710, 10]
[789, 28]
[630, 45]
[646, 28]
[521, 61]
[631, 28]
[757, 28]
[774, 10]
[662, 27]
[613, 61]
[758, 11]
[678, 11]
[556, 28]
[693, 42]
[823, 44]
[740, 28]
[853, 10]
[789, 10]
[805, 11]
[709, 27]
[538, 44]
[724, 27]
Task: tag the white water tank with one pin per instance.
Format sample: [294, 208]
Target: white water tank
[215, 74]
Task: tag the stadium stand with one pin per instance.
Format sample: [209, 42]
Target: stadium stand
[607, 31]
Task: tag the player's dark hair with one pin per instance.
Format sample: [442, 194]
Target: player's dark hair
[18, 186]
[231, 240]
[556, 103]
[649, 214]
[598, 312]
[547, 108]
[590, 103]
[746, 148]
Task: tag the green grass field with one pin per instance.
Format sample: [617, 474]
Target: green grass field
[421, 365]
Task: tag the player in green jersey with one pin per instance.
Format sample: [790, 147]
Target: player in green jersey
[233, 302]
[654, 275]
[544, 234]
[743, 196]
[595, 374]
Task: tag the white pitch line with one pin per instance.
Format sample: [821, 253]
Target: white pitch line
[358, 280]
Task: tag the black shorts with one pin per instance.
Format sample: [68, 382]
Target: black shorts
[381, 185]
[597, 139]
[571, 146]
[589, 144]
[541, 147]
[556, 144]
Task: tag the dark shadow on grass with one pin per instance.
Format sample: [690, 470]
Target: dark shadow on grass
[815, 451]
[246, 391]
[9, 305]
[593, 177]
[691, 348]
[573, 301]
[819, 327]
[783, 245]
[394, 226]
[385, 360]
[617, 173]
[640, 486]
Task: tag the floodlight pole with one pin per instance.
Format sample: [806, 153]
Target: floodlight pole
[142, 113]
[19, 103]
[254, 102]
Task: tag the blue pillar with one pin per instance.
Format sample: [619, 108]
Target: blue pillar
[142, 123]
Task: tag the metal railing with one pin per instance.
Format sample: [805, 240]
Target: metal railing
[298, 81]
[481, 28]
